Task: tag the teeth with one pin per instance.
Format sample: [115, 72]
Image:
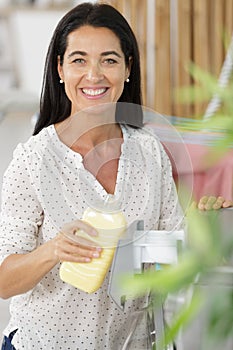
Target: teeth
[94, 92]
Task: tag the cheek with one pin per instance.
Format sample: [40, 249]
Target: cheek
[71, 76]
[71, 81]
[120, 86]
[70, 92]
[71, 73]
[119, 80]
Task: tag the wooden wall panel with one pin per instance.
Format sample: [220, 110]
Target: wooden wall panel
[184, 54]
[183, 31]
[200, 42]
[229, 15]
[216, 34]
[162, 54]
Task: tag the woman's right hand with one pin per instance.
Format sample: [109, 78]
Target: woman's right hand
[21, 272]
[69, 246]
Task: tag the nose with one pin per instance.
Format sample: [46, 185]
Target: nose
[94, 73]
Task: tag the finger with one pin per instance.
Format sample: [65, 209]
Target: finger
[193, 205]
[210, 202]
[219, 203]
[77, 247]
[202, 202]
[204, 199]
[84, 242]
[65, 250]
[76, 225]
[75, 258]
[227, 203]
[79, 254]
[74, 240]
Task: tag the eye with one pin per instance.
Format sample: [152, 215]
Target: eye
[79, 60]
[110, 61]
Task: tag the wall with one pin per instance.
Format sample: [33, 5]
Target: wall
[171, 34]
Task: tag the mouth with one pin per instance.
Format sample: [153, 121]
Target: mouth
[94, 92]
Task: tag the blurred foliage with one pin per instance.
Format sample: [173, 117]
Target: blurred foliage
[206, 250]
[205, 88]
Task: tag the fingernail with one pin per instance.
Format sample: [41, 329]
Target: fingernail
[95, 255]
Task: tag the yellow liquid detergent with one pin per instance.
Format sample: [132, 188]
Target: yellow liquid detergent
[90, 276]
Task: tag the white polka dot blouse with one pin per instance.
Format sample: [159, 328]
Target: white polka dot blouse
[45, 186]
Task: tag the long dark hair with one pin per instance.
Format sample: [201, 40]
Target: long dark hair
[54, 104]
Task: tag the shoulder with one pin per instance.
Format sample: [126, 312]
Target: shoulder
[145, 141]
[145, 137]
[25, 153]
[33, 144]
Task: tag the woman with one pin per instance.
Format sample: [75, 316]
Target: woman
[79, 154]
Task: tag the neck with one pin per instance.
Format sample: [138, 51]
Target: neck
[81, 136]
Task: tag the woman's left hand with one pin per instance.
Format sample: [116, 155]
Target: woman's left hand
[212, 202]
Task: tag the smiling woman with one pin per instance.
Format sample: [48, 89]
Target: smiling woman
[93, 68]
[89, 144]
[55, 105]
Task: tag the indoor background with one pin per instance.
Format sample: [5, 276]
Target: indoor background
[171, 34]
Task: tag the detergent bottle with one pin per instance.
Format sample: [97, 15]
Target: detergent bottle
[110, 226]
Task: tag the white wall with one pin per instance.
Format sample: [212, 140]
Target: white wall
[31, 33]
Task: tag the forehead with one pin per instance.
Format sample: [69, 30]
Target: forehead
[93, 38]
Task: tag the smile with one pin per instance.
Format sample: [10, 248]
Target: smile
[94, 92]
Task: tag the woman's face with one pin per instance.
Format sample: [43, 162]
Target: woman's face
[94, 69]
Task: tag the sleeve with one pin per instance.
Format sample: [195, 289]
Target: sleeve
[171, 213]
[21, 213]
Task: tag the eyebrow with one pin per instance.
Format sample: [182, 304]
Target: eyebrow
[83, 53]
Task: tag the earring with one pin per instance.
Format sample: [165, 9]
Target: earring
[127, 80]
[61, 81]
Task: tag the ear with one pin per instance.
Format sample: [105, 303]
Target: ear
[59, 68]
[128, 68]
